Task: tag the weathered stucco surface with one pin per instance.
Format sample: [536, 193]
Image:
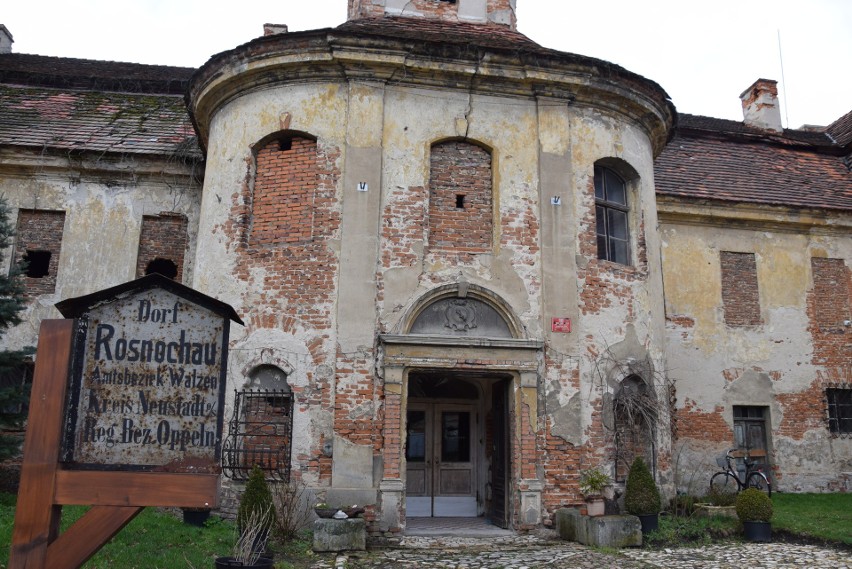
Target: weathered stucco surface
[771, 365]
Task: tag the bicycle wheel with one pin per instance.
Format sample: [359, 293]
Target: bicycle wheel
[724, 483]
[758, 480]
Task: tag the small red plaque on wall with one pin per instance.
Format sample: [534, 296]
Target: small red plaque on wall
[562, 325]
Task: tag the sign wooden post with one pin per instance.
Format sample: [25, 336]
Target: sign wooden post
[94, 444]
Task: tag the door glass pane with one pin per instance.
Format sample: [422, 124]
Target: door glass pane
[415, 439]
[455, 436]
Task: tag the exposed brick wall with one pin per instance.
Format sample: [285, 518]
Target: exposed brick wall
[461, 209]
[284, 193]
[703, 426]
[40, 230]
[292, 286]
[830, 296]
[740, 294]
[604, 284]
[828, 304]
[163, 236]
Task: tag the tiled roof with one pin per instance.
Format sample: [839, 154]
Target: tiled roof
[95, 121]
[841, 130]
[716, 160]
[68, 73]
[433, 30]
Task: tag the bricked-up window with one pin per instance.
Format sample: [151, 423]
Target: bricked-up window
[839, 410]
[740, 294]
[285, 185]
[611, 216]
[461, 213]
[831, 293]
[38, 244]
[260, 431]
[162, 245]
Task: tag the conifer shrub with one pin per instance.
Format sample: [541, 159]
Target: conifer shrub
[753, 506]
[256, 502]
[641, 496]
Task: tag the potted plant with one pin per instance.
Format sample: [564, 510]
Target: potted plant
[641, 496]
[323, 510]
[754, 509]
[593, 482]
[246, 554]
[255, 517]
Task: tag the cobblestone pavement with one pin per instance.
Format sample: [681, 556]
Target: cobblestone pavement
[543, 550]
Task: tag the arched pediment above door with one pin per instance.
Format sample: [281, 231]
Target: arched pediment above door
[463, 310]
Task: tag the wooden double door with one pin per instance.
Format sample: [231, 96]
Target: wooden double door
[442, 457]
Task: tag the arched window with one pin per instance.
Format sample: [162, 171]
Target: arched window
[165, 267]
[261, 428]
[611, 214]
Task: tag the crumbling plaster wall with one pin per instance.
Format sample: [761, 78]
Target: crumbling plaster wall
[719, 366]
[542, 264]
[104, 200]
[274, 325]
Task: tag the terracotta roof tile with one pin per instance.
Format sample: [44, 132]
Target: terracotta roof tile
[492, 36]
[69, 73]
[840, 130]
[735, 164]
[95, 121]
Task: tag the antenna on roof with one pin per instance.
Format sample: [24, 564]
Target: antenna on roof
[783, 81]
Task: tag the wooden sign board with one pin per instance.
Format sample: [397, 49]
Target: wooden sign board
[148, 389]
[125, 412]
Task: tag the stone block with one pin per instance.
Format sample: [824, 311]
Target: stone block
[600, 531]
[571, 525]
[340, 535]
[613, 531]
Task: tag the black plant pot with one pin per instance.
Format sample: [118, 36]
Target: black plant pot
[650, 522]
[195, 517]
[758, 531]
[230, 562]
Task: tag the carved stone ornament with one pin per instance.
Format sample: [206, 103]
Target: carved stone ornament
[460, 315]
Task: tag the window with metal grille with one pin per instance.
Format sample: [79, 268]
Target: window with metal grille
[611, 216]
[839, 410]
[260, 430]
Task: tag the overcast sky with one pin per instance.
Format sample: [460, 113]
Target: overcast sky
[704, 53]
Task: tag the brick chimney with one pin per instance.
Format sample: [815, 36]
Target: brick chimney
[5, 40]
[274, 29]
[495, 12]
[760, 105]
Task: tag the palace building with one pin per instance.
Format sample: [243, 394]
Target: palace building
[469, 266]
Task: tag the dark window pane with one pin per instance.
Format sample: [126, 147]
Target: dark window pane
[602, 252]
[455, 436]
[599, 184]
[615, 188]
[600, 217]
[619, 251]
[617, 224]
[415, 440]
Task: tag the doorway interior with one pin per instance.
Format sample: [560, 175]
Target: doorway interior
[457, 446]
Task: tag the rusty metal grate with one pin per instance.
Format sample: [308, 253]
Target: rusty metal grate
[259, 433]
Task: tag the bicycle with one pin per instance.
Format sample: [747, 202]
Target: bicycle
[728, 481]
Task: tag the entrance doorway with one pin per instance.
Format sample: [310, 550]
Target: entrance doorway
[457, 446]
[441, 461]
